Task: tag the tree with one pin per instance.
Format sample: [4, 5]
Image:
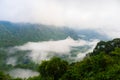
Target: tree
[53, 68]
[4, 76]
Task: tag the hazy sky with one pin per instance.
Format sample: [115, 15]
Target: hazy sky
[75, 13]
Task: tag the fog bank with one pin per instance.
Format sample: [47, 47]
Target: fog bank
[22, 73]
[45, 50]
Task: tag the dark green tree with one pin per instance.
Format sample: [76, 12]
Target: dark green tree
[53, 68]
[4, 76]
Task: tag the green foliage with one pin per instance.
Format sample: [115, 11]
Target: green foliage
[35, 78]
[102, 66]
[98, 67]
[17, 79]
[54, 68]
[106, 47]
[4, 76]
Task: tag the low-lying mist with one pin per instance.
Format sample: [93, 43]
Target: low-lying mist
[22, 73]
[73, 49]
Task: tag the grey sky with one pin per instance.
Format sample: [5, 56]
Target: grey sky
[73, 13]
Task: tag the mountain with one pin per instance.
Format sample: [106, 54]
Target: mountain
[105, 65]
[12, 34]
[106, 46]
[18, 33]
[89, 34]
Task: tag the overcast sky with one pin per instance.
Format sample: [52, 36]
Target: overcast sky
[73, 13]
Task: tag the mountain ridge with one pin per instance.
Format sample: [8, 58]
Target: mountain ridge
[20, 33]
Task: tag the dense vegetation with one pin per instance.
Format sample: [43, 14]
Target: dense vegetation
[101, 64]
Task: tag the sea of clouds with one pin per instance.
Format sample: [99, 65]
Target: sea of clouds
[39, 51]
[46, 49]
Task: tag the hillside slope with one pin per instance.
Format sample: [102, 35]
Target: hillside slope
[12, 34]
[18, 33]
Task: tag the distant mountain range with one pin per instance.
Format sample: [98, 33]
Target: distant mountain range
[18, 33]
[12, 34]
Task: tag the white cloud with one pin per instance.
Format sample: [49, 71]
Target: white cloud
[22, 73]
[47, 49]
[93, 44]
[111, 32]
[11, 60]
[94, 13]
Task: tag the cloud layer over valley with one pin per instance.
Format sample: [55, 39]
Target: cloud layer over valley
[45, 50]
